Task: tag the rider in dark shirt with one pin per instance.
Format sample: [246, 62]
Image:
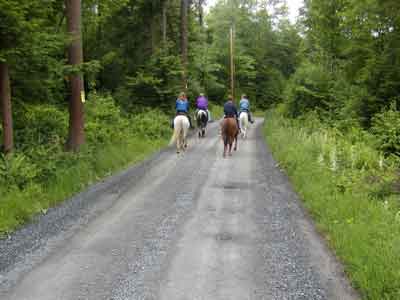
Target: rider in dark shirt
[230, 110]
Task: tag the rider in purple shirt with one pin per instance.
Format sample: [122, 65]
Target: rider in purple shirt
[202, 103]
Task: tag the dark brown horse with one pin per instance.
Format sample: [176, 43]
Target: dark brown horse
[230, 133]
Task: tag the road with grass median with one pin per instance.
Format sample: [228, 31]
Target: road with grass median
[189, 226]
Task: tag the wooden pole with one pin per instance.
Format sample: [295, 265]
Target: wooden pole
[232, 35]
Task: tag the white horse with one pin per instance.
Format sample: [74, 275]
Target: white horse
[244, 123]
[181, 128]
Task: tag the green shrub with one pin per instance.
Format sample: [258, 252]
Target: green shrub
[386, 127]
[16, 171]
[40, 124]
[308, 89]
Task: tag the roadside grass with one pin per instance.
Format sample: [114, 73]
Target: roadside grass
[39, 177]
[352, 193]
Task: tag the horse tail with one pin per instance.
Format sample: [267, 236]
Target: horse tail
[175, 135]
[178, 131]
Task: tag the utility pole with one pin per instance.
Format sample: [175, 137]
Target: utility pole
[232, 37]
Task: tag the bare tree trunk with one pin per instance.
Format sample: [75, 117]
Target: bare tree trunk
[154, 28]
[5, 102]
[201, 13]
[76, 135]
[184, 41]
[164, 21]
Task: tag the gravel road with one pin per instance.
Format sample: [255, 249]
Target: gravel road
[193, 226]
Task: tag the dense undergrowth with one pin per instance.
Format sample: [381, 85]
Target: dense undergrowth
[41, 174]
[351, 190]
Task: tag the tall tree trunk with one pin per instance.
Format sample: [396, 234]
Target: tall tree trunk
[164, 21]
[76, 135]
[201, 12]
[154, 26]
[5, 102]
[184, 41]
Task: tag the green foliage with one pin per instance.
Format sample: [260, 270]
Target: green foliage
[308, 89]
[386, 126]
[263, 60]
[350, 70]
[16, 171]
[352, 193]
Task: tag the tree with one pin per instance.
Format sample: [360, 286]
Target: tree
[17, 28]
[164, 21]
[5, 104]
[76, 136]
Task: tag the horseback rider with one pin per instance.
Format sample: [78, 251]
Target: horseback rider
[244, 106]
[230, 110]
[202, 104]
[182, 107]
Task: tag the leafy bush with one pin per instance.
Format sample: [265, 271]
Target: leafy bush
[104, 122]
[308, 89]
[16, 171]
[40, 124]
[386, 127]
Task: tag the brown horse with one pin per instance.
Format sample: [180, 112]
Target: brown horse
[230, 133]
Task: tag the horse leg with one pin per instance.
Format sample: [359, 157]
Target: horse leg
[178, 146]
[225, 139]
[236, 142]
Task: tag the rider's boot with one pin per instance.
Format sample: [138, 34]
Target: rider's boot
[190, 121]
[251, 118]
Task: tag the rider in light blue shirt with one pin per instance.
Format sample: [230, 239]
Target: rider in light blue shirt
[244, 106]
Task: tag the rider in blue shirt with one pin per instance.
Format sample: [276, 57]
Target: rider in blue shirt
[230, 110]
[244, 106]
[182, 107]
